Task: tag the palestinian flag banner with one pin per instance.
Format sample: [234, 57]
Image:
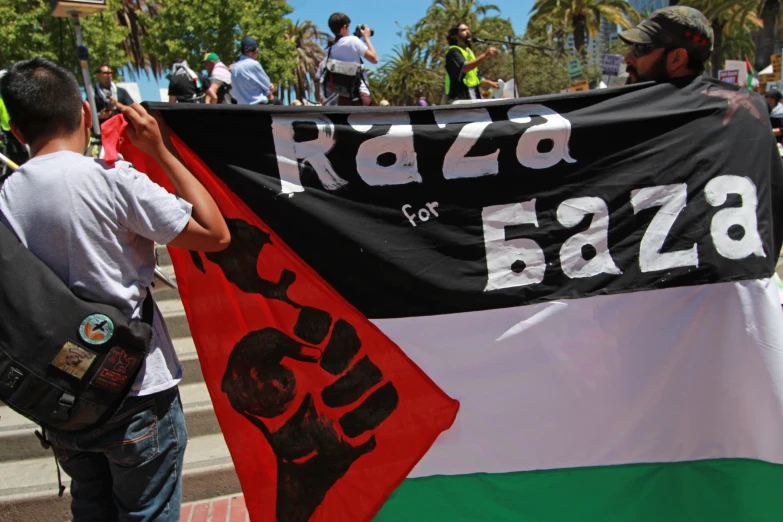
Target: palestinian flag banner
[588, 275]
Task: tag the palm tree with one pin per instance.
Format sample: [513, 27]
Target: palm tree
[132, 14]
[404, 71]
[729, 18]
[309, 53]
[583, 16]
[429, 33]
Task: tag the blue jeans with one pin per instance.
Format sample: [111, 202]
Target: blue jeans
[130, 468]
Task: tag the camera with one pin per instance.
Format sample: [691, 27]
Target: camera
[357, 33]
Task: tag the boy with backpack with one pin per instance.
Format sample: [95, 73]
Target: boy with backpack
[95, 227]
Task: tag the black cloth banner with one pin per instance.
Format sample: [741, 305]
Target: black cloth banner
[473, 207]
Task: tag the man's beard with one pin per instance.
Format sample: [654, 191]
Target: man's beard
[656, 73]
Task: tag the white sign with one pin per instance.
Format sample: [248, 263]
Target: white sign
[133, 90]
[741, 68]
[729, 76]
[612, 64]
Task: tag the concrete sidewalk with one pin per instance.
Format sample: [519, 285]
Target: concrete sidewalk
[224, 509]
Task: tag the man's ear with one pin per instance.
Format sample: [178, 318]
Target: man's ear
[86, 115]
[17, 133]
[678, 59]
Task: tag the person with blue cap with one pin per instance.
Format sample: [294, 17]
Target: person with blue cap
[250, 84]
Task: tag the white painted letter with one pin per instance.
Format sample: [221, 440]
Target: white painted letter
[716, 192]
[671, 199]
[289, 152]
[570, 213]
[516, 262]
[556, 128]
[398, 141]
[455, 164]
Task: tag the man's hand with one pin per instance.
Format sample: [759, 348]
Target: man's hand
[491, 52]
[105, 113]
[366, 31]
[143, 130]
[489, 83]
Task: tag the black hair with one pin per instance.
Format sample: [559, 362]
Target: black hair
[98, 69]
[42, 98]
[695, 64]
[337, 21]
[776, 95]
[451, 37]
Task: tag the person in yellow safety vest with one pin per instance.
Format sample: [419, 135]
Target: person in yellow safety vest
[462, 78]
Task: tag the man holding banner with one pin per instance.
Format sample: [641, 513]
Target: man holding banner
[672, 42]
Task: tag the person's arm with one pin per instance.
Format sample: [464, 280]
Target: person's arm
[206, 230]
[469, 66]
[212, 93]
[261, 78]
[370, 55]
[104, 112]
[454, 63]
[489, 83]
[172, 90]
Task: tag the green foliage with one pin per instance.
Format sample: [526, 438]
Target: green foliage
[191, 29]
[732, 22]
[421, 62]
[582, 17]
[541, 72]
[307, 39]
[29, 30]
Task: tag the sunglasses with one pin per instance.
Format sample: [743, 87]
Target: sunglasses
[640, 50]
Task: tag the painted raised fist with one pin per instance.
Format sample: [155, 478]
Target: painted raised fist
[317, 404]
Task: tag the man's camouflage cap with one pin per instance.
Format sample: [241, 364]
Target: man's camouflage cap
[673, 27]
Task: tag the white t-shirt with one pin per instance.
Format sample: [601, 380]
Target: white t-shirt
[96, 228]
[350, 49]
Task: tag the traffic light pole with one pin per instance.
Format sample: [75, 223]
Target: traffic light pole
[82, 55]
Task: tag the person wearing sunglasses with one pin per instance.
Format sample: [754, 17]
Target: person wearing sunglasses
[672, 42]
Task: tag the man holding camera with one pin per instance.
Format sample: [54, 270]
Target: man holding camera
[349, 48]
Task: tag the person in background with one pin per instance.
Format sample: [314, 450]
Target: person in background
[219, 80]
[349, 48]
[250, 83]
[462, 74]
[107, 94]
[186, 85]
[14, 149]
[775, 108]
[418, 94]
[273, 99]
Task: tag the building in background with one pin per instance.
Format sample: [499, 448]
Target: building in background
[598, 46]
[645, 7]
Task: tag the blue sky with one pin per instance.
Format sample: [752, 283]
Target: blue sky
[385, 17]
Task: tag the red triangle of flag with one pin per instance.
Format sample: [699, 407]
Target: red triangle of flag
[323, 414]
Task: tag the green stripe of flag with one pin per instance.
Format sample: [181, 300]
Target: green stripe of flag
[720, 490]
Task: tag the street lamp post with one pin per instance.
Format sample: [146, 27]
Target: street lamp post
[75, 9]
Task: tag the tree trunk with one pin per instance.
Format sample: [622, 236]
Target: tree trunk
[299, 87]
[580, 35]
[717, 48]
[765, 37]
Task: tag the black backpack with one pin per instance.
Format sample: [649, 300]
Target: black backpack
[65, 363]
[342, 78]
